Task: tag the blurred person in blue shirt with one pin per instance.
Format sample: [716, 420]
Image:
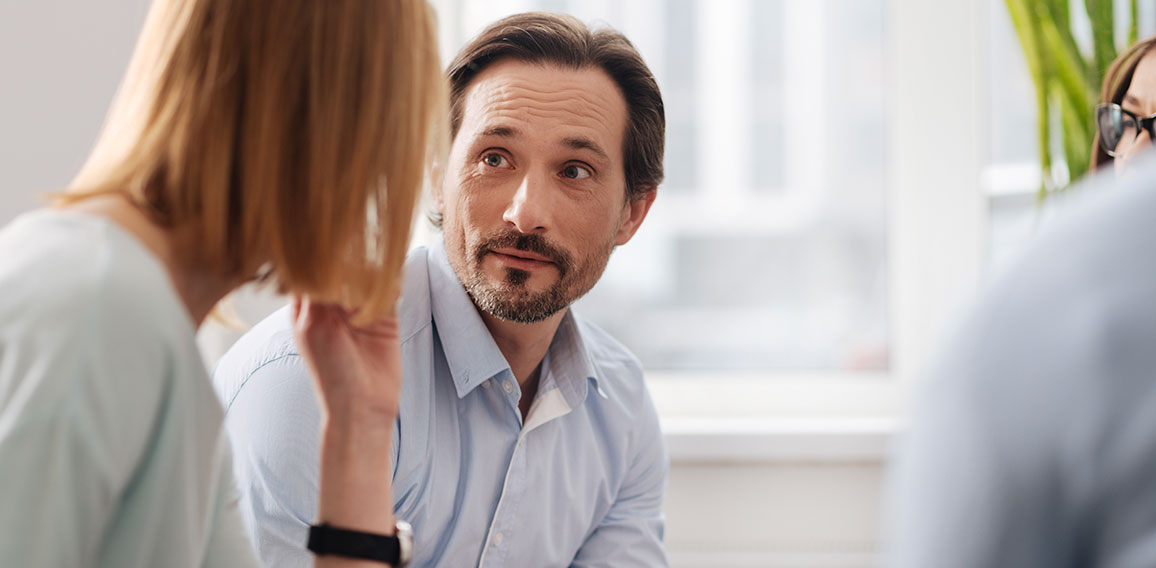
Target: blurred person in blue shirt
[526, 436]
[1033, 443]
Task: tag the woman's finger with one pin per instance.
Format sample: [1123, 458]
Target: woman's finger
[296, 309]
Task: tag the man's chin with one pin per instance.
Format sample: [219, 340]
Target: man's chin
[522, 316]
[514, 296]
[519, 304]
[519, 283]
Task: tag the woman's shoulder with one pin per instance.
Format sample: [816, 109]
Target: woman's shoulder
[86, 339]
[82, 311]
[94, 356]
[79, 273]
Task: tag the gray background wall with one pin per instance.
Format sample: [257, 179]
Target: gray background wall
[60, 63]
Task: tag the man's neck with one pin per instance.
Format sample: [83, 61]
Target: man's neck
[523, 344]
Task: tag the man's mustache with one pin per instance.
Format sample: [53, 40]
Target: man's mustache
[534, 243]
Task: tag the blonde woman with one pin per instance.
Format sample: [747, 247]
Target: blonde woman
[279, 140]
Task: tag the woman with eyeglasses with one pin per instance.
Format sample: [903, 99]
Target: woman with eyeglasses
[275, 140]
[1125, 120]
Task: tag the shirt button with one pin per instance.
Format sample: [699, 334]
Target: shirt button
[508, 386]
[486, 385]
[498, 539]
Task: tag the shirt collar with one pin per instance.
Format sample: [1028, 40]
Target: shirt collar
[570, 362]
[474, 357]
[471, 353]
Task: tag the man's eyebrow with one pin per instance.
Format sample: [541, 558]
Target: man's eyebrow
[586, 144]
[500, 131]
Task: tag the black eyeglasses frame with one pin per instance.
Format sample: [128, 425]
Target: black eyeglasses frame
[1147, 124]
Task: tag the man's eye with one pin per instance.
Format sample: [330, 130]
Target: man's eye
[495, 160]
[575, 172]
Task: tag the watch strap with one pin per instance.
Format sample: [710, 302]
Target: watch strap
[326, 539]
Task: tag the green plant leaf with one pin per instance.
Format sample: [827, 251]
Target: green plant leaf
[1077, 88]
[1027, 28]
[1134, 25]
[1077, 136]
[1103, 18]
[1066, 77]
[1057, 13]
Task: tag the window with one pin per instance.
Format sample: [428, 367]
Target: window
[766, 250]
[854, 132]
[852, 135]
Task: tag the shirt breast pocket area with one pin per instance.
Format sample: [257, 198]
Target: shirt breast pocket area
[576, 484]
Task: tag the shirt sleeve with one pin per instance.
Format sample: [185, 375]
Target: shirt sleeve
[631, 532]
[273, 423]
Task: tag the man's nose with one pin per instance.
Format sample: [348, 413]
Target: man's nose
[529, 208]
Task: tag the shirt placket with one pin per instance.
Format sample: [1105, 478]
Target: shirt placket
[502, 527]
[513, 490]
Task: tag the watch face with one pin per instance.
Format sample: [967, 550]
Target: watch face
[404, 542]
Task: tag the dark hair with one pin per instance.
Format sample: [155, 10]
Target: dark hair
[540, 37]
[1116, 83]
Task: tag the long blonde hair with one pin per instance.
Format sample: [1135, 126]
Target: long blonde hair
[287, 138]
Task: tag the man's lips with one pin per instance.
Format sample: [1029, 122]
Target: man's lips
[520, 258]
[519, 253]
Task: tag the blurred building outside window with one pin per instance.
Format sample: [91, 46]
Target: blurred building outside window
[766, 250]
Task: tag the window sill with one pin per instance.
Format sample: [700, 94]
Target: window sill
[799, 418]
[779, 440]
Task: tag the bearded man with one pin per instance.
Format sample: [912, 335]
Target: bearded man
[525, 436]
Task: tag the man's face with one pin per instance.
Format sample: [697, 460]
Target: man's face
[534, 197]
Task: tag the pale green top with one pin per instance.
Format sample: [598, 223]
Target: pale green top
[111, 447]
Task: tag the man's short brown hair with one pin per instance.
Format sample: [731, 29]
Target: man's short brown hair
[539, 37]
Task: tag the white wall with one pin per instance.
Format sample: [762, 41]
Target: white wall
[60, 63]
[784, 515]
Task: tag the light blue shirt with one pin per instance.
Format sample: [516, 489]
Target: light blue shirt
[580, 483]
[1033, 443]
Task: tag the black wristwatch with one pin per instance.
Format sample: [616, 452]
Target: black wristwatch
[395, 550]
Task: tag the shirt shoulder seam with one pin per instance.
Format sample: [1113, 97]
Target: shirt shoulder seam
[250, 374]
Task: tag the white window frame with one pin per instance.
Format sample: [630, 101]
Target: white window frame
[936, 233]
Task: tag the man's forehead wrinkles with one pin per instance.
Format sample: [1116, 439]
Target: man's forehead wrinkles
[582, 111]
[520, 86]
[542, 98]
[496, 94]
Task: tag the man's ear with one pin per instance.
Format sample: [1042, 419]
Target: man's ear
[633, 214]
